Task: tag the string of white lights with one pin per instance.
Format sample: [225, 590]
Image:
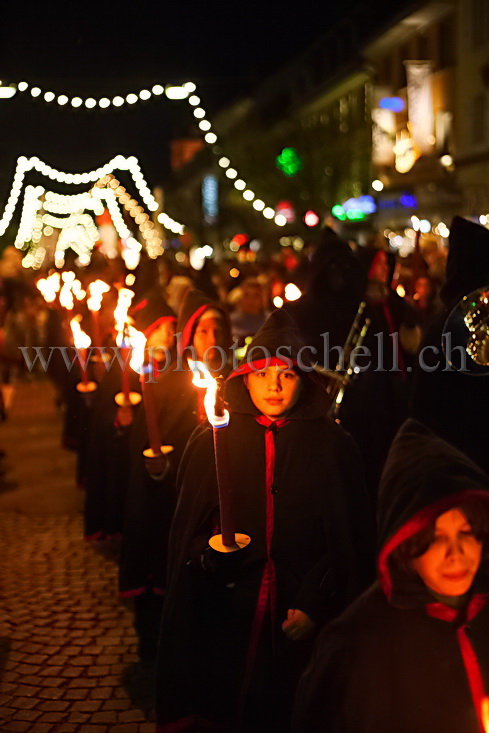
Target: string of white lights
[174, 92]
[240, 184]
[171, 91]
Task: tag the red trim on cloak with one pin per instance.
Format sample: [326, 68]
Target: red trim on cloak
[94, 536]
[259, 364]
[132, 593]
[393, 329]
[187, 331]
[139, 306]
[191, 723]
[153, 326]
[267, 594]
[415, 524]
[469, 657]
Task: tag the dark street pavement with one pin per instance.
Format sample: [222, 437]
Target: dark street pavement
[67, 645]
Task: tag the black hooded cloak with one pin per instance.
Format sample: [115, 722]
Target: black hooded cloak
[108, 462]
[455, 405]
[299, 493]
[150, 503]
[398, 660]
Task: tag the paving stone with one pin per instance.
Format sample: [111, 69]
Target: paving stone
[51, 693]
[23, 703]
[77, 694]
[54, 706]
[87, 706]
[131, 716]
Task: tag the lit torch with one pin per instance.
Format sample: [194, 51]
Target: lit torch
[82, 342]
[126, 398]
[96, 291]
[145, 370]
[48, 288]
[485, 714]
[218, 417]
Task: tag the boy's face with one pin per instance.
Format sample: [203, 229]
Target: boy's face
[451, 561]
[274, 390]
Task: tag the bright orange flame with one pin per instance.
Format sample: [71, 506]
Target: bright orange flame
[292, 292]
[400, 290]
[137, 340]
[97, 289]
[120, 313]
[66, 296]
[203, 378]
[81, 339]
[485, 714]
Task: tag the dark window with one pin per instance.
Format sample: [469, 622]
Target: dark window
[479, 118]
[480, 22]
[446, 43]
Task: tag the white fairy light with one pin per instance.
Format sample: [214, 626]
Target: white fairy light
[63, 99]
[199, 113]
[49, 97]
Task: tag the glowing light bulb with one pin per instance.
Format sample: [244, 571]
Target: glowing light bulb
[76, 102]
[258, 204]
[377, 185]
[176, 92]
[22, 86]
[194, 100]
[231, 173]
[248, 195]
[49, 96]
[104, 102]
[157, 89]
[210, 138]
[118, 101]
[132, 98]
[63, 99]
[240, 184]
[224, 162]
[189, 86]
[90, 103]
[35, 91]
[268, 213]
[144, 94]
[199, 113]
[280, 220]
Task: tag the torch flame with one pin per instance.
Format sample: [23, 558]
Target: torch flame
[68, 276]
[66, 296]
[203, 378]
[46, 290]
[485, 714]
[137, 340]
[96, 290]
[120, 313]
[81, 339]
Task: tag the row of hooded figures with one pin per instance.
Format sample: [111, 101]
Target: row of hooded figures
[302, 629]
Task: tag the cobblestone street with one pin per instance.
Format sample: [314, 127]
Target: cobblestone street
[67, 645]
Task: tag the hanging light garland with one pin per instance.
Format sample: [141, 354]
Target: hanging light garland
[173, 92]
[24, 165]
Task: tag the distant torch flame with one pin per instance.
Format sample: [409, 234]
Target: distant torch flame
[120, 313]
[46, 289]
[97, 289]
[66, 297]
[292, 292]
[81, 339]
[77, 290]
[68, 276]
[137, 341]
[203, 378]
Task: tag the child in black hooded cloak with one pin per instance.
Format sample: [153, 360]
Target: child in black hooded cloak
[234, 640]
[412, 654]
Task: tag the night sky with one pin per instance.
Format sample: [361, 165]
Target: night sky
[109, 49]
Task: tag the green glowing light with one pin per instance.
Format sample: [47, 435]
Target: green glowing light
[289, 161]
[339, 212]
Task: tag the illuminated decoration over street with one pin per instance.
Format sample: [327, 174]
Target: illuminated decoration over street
[311, 219]
[355, 209]
[171, 91]
[406, 152]
[394, 104]
[289, 161]
[420, 104]
[210, 199]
